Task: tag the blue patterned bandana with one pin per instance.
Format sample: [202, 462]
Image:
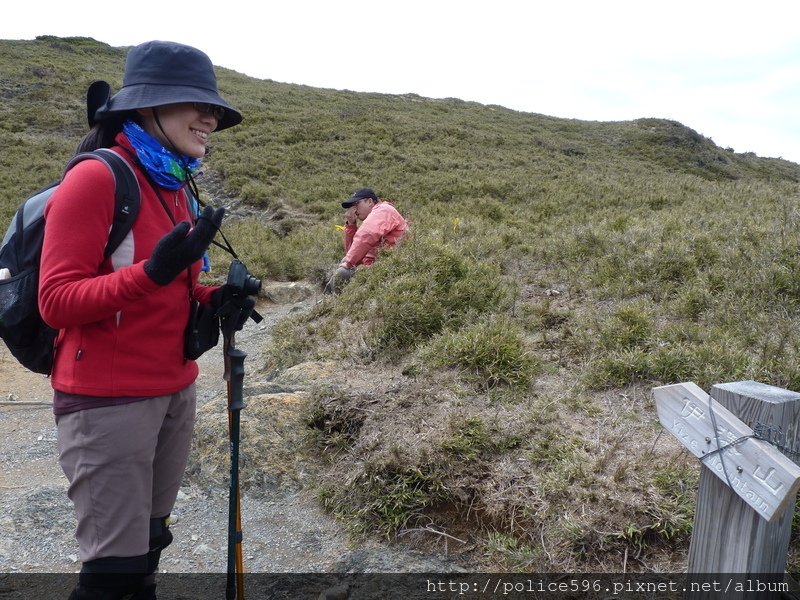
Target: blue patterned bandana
[167, 169]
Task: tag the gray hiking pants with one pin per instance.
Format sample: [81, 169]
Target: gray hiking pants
[124, 465]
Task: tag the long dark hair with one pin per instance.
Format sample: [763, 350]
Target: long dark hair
[103, 133]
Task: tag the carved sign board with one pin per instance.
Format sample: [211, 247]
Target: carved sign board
[756, 471]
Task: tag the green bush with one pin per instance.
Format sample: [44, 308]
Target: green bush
[413, 293]
[488, 353]
[630, 324]
[386, 496]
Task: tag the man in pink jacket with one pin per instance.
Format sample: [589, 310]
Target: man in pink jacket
[381, 225]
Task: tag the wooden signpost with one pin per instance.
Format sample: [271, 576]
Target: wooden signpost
[747, 486]
[754, 469]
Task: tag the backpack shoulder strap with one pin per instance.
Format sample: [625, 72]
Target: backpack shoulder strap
[126, 193]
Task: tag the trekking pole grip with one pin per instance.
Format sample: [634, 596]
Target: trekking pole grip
[236, 397]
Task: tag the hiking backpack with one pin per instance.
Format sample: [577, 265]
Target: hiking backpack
[26, 335]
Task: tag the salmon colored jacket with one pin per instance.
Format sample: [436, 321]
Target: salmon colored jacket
[384, 226]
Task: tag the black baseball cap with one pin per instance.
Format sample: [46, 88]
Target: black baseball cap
[359, 195]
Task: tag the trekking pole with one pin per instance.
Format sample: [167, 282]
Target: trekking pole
[230, 314]
[234, 375]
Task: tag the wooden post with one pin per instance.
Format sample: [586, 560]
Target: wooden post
[738, 528]
[728, 535]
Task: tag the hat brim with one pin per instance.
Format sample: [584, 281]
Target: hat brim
[349, 203]
[145, 95]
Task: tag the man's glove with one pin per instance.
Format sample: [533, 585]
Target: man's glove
[232, 307]
[180, 248]
[341, 275]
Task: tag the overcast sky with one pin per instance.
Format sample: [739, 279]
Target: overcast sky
[728, 69]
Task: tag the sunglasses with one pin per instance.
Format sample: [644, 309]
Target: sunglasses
[209, 109]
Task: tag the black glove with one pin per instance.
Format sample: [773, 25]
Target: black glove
[232, 307]
[176, 251]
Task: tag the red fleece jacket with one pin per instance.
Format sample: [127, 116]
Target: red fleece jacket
[121, 334]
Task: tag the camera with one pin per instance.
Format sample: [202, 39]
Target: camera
[240, 279]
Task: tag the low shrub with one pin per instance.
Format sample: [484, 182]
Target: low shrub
[488, 353]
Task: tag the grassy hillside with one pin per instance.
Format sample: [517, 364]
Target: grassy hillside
[498, 364]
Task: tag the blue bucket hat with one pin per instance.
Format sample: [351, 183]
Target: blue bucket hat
[158, 73]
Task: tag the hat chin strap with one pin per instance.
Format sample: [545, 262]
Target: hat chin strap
[173, 148]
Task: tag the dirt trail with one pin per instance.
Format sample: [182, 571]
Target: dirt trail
[285, 530]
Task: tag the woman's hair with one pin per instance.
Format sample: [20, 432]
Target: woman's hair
[103, 133]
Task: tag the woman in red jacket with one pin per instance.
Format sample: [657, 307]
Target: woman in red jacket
[124, 393]
[381, 225]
